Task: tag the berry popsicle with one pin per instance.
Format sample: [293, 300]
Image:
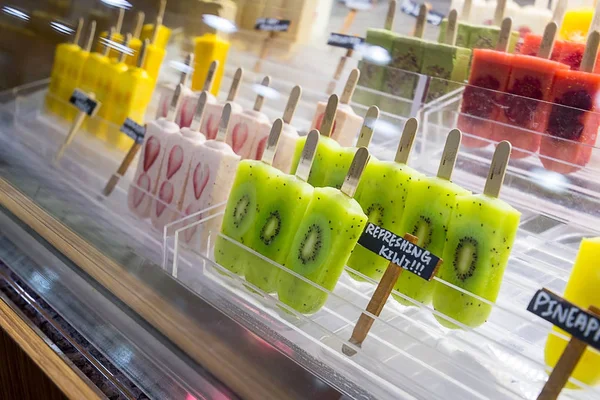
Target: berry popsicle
[490, 72]
[174, 175]
[427, 212]
[581, 290]
[145, 183]
[289, 137]
[481, 233]
[328, 232]
[210, 178]
[246, 125]
[282, 201]
[522, 121]
[382, 195]
[213, 111]
[347, 123]
[190, 101]
[573, 122]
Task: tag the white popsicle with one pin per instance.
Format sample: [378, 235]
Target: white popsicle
[289, 136]
[190, 102]
[166, 91]
[213, 111]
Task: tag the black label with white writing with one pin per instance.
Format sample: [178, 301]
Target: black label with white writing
[84, 103]
[411, 8]
[399, 251]
[346, 41]
[133, 130]
[272, 25]
[566, 316]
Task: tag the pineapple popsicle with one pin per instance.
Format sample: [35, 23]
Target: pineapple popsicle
[284, 157]
[210, 179]
[213, 111]
[245, 126]
[145, 182]
[581, 290]
[328, 232]
[282, 201]
[382, 194]
[481, 233]
[427, 212]
[207, 48]
[347, 124]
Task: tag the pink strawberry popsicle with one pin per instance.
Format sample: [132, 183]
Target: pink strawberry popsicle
[190, 102]
[166, 91]
[213, 111]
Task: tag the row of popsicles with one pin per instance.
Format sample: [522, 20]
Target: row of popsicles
[539, 105]
[474, 233]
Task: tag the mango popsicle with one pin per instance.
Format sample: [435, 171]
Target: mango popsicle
[162, 37]
[582, 290]
[155, 53]
[382, 194]
[481, 233]
[328, 232]
[576, 24]
[279, 213]
[116, 36]
[135, 44]
[522, 121]
[573, 122]
[427, 212]
[213, 111]
[286, 149]
[207, 48]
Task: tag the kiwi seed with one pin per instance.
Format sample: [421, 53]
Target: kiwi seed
[271, 228]
[465, 258]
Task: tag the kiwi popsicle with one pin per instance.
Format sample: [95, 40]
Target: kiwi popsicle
[328, 232]
[286, 149]
[582, 290]
[280, 213]
[213, 111]
[427, 212]
[481, 233]
[382, 194]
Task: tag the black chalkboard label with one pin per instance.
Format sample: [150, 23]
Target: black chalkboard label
[411, 8]
[345, 41]
[399, 251]
[133, 130]
[84, 103]
[566, 316]
[272, 25]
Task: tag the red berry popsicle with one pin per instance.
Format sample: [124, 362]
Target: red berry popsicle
[573, 121]
[531, 46]
[522, 118]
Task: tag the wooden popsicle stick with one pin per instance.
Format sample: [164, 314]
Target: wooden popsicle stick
[175, 104]
[161, 11]
[329, 116]
[210, 75]
[452, 28]
[407, 140]
[366, 132]
[466, 11]
[90, 41]
[350, 86]
[559, 12]
[264, 51]
[197, 121]
[349, 20]
[126, 44]
[224, 124]
[292, 103]
[588, 62]
[120, 18]
[109, 38]
[499, 12]
[235, 84]
[185, 73]
[272, 142]
[497, 171]
[449, 155]
[114, 179]
[260, 99]
[139, 24]
[376, 304]
[359, 163]
[504, 35]
[547, 44]
[421, 21]
[78, 31]
[390, 16]
[143, 52]
[308, 155]
[75, 127]
[565, 366]
[338, 70]
[595, 25]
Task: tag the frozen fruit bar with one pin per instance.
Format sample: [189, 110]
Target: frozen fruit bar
[571, 53]
[486, 37]
[446, 62]
[531, 46]
[213, 111]
[462, 34]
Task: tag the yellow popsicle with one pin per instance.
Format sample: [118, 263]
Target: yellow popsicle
[158, 37]
[116, 37]
[208, 48]
[135, 43]
[576, 24]
[583, 289]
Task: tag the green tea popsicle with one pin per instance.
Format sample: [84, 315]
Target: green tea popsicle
[480, 236]
[279, 213]
[426, 215]
[329, 230]
[382, 194]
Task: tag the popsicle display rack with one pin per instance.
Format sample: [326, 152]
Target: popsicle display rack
[407, 353]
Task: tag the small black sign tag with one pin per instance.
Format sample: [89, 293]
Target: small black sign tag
[346, 41]
[133, 130]
[84, 103]
[272, 25]
[566, 316]
[399, 251]
[411, 8]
